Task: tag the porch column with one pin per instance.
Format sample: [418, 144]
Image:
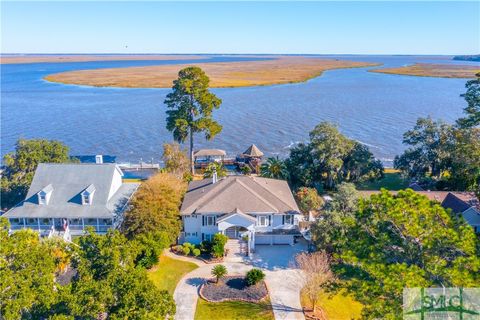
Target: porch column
[24, 224]
[83, 225]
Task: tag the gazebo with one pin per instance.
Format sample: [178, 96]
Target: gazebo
[252, 152]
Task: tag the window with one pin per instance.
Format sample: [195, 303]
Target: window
[45, 221]
[31, 221]
[86, 198]
[15, 221]
[210, 220]
[288, 219]
[42, 198]
[208, 237]
[263, 221]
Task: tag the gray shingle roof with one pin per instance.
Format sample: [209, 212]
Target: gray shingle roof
[245, 193]
[68, 181]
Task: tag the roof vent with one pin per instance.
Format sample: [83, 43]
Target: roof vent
[99, 159]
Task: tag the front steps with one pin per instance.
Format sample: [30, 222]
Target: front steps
[237, 250]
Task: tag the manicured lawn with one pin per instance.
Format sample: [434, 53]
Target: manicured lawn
[391, 181]
[336, 307]
[168, 272]
[233, 310]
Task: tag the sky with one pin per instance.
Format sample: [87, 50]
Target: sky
[380, 27]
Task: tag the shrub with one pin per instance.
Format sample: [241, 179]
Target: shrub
[177, 248]
[188, 245]
[254, 276]
[218, 250]
[220, 238]
[206, 246]
[186, 250]
[219, 271]
[196, 252]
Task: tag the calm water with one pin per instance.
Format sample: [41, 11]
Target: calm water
[372, 108]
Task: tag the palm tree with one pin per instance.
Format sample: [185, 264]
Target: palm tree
[274, 168]
[220, 168]
[219, 271]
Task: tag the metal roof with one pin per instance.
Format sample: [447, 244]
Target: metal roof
[68, 181]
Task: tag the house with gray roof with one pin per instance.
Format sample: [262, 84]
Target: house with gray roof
[66, 198]
[259, 209]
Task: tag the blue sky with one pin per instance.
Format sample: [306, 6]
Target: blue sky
[380, 27]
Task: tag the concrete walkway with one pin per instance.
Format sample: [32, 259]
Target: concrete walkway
[281, 279]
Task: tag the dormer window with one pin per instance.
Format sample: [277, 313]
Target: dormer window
[87, 195]
[44, 195]
[42, 198]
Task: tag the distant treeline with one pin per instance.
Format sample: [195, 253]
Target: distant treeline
[475, 57]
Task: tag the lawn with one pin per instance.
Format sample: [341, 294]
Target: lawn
[337, 307]
[233, 310]
[168, 272]
[392, 180]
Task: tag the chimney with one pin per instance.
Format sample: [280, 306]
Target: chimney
[99, 159]
[214, 176]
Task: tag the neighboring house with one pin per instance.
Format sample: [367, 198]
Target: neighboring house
[66, 198]
[461, 203]
[261, 209]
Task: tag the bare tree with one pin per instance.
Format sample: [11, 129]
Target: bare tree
[315, 272]
[175, 159]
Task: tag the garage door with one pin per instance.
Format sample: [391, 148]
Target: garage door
[277, 239]
[263, 239]
[283, 239]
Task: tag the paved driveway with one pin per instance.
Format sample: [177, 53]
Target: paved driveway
[281, 278]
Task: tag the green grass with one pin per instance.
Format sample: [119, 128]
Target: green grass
[392, 180]
[166, 274]
[233, 310]
[336, 307]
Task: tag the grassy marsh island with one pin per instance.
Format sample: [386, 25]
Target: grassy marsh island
[47, 58]
[280, 70]
[433, 70]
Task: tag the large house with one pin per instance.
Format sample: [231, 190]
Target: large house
[66, 198]
[461, 203]
[259, 209]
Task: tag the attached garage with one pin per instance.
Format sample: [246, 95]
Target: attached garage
[273, 239]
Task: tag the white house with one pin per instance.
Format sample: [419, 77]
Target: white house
[70, 197]
[260, 209]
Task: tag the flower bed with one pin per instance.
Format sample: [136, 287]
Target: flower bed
[233, 288]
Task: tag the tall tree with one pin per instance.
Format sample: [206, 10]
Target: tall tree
[21, 164]
[190, 106]
[329, 159]
[430, 146]
[155, 207]
[403, 240]
[472, 97]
